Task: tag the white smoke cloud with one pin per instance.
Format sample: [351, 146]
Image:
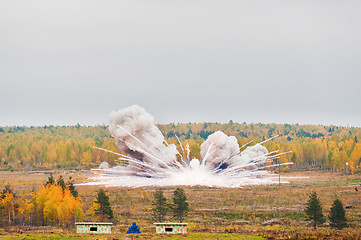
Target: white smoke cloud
[219, 147]
[104, 165]
[137, 136]
[256, 154]
[151, 162]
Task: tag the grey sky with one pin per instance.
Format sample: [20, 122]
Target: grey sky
[68, 62]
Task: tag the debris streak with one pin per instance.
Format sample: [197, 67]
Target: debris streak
[149, 160]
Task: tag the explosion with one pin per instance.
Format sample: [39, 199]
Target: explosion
[151, 161]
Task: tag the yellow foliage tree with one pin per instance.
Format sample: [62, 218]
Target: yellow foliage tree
[7, 204]
[92, 210]
[355, 158]
[28, 211]
[56, 206]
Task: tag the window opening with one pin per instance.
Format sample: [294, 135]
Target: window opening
[93, 229]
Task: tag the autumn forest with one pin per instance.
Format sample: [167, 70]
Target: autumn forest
[313, 147]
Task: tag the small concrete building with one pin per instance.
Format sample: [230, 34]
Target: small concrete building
[93, 227]
[171, 228]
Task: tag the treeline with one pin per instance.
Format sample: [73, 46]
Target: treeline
[71, 147]
[51, 147]
[55, 203]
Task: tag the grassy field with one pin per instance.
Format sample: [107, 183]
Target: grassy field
[73, 236]
[270, 211]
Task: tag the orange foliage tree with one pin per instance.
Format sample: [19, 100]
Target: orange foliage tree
[52, 205]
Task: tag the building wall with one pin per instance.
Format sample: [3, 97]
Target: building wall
[177, 229]
[85, 228]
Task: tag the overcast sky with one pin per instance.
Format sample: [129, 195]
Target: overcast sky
[67, 62]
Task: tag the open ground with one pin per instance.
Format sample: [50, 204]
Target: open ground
[269, 211]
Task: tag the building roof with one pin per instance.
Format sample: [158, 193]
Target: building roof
[92, 223]
[170, 223]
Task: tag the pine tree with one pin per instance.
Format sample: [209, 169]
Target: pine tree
[51, 180]
[104, 206]
[61, 182]
[71, 187]
[7, 189]
[180, 206]
[337, 215]
[314, 210]
[160, 205]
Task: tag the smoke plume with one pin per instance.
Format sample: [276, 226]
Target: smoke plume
[137, 136]
[218, 147]
[151, 161]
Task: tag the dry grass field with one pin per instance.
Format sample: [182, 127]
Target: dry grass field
[270, 211]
